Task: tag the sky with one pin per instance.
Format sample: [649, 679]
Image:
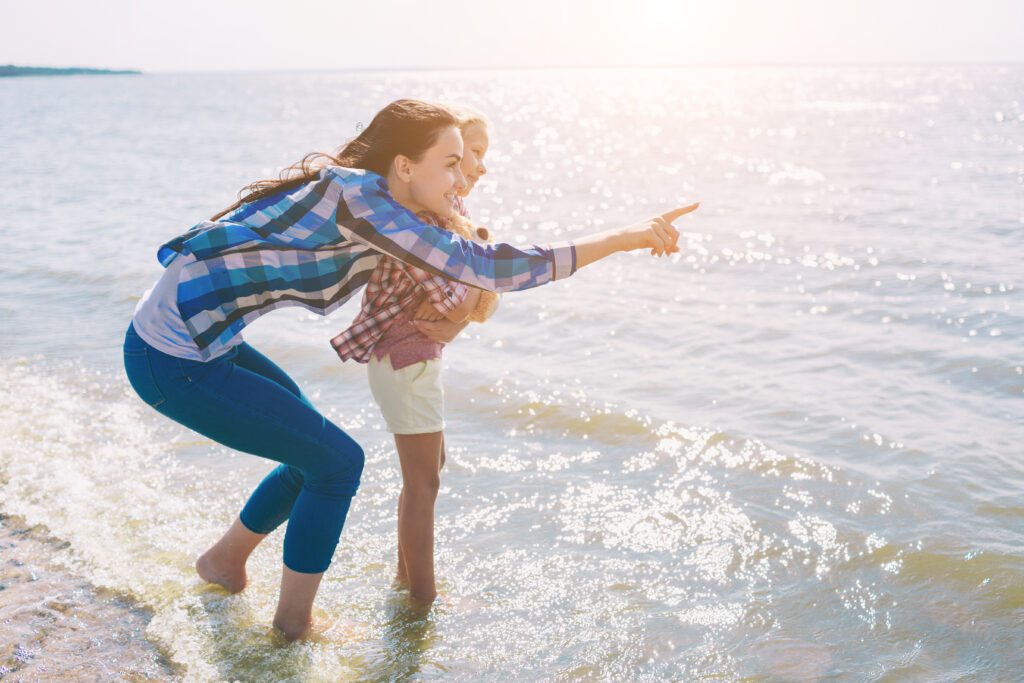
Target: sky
[231, 35]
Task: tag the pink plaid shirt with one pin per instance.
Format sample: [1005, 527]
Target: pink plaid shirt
[395, 286]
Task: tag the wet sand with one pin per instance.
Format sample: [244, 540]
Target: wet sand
[57, 626]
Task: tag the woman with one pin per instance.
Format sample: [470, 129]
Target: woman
[312, 239]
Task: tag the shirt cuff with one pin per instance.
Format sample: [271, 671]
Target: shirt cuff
[563, 256]
[448, 296]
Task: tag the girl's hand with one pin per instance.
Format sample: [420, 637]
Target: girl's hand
[426, 311]
[442, 331]
[657, 234]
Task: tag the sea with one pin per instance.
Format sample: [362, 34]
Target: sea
[793, 451]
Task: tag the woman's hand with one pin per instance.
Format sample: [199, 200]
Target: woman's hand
[441, 330]
[657, 234]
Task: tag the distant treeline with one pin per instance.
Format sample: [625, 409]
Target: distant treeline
[12, 70]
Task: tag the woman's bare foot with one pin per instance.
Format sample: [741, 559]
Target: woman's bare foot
[320, 630]
[224, 563]
[293, 629]
[231, 578]
[294, 616]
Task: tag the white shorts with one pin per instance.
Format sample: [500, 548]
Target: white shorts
[411, 399]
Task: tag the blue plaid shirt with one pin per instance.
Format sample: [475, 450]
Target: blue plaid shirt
[315, 246]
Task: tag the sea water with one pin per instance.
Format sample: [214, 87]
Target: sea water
[790, 452]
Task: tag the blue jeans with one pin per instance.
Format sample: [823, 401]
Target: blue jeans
[244, 401]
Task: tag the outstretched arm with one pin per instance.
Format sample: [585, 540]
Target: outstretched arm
[657, 234]
[367, 213]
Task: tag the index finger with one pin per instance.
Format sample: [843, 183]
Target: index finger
[682, 211]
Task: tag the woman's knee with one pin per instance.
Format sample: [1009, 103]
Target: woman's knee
[339, 469]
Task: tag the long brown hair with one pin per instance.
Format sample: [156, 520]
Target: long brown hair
[406, 127]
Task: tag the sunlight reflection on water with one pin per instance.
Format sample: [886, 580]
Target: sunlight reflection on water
[788, 453]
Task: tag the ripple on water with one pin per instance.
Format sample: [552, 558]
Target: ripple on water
[789, 452]
[680, 551]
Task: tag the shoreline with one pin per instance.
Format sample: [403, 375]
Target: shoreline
[15, 71]
[56, 625]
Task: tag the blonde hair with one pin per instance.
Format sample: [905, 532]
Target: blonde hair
[467, 116]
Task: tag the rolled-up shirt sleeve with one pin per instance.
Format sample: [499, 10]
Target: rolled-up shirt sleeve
[367, 213]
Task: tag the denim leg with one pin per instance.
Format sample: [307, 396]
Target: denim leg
[271, 503]
[254, 361]
[247, 411]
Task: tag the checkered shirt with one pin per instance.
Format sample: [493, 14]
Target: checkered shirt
[393, 287]
[316, 245]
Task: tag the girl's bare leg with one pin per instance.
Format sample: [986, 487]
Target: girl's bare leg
[224, 563]
[294, 615]
[420, 457]
[401, 575]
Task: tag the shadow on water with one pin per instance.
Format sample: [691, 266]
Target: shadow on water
[406, 639]
[243, 647]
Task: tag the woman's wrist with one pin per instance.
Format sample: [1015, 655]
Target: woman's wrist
[593, 248]
[625, 239]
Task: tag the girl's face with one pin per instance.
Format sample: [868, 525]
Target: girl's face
[475, 141]
[431, 183]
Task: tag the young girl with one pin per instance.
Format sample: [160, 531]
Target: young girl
[312, 239]
[404, 368]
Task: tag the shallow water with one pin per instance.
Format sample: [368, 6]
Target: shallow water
[789, 453]
[56, 626]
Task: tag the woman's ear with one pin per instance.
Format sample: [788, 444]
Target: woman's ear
[403, 167]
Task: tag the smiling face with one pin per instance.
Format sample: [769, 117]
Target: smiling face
[475, 142]
[431, 183]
